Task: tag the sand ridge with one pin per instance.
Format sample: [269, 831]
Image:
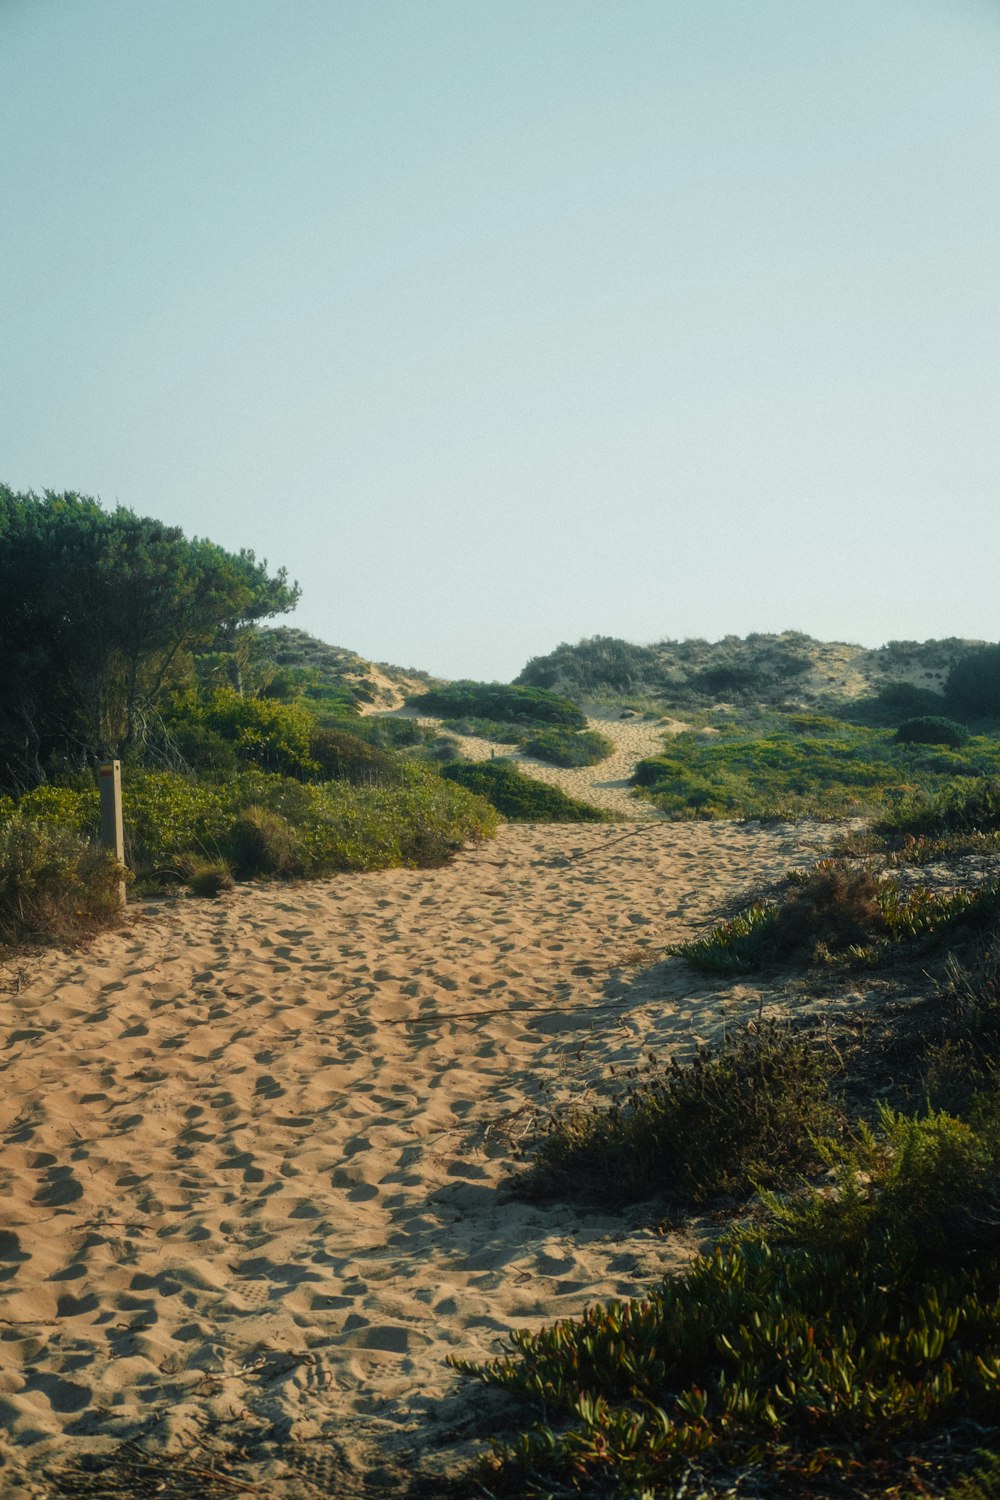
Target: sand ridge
[251, 1148]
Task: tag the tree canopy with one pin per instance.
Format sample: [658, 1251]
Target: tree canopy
[96, 607]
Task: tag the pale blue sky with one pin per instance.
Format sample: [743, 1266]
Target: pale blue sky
[501, 324]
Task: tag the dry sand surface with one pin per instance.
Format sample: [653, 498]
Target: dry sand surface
[252, 1148]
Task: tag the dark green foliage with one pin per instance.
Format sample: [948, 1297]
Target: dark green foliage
[961, 1061]
[521, 798]
[904, 700]
[972, 687]
[983, 1483]
[95, 608]
[600, 664]
[564, 747]
[843, 1328]
[932, 729]
[203, 749]
[733, 681]
[387, 733]
[492, 700]
[724, 1123]
[55, 887]
[344, 757]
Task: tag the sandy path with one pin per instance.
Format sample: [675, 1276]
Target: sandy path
[244, 1187]
[607, 785]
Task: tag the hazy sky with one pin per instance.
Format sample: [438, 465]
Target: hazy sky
[507, 323]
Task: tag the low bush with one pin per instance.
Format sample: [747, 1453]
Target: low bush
[836, 911]
[723, 1123]
[493, 700]
[54, 886]
[565, 747]
[844, 1340]
[955, 809]
[521, 798]
[262, 842]
[340, 756]
[208, 877]
[932, 729]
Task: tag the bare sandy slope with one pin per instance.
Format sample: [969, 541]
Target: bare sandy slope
[607, 785]
[251, 1148]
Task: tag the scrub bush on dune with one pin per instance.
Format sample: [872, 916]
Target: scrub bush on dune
[846, 1335]
[54, 886]
[521, 798]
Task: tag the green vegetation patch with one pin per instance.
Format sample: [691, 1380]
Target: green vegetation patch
[274, 825]
[566, 747]
[803, 765]
[529, 706]
[54, 886]
[723, 1123]
[850, 1326]
[932, 729]
[521, 798]
[837, 912]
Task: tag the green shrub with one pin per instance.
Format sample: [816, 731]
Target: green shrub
[208, 877]
[964, 809]
[166, 815]
[895, 700]
[263, 732]
[493, 700]
[932, 730]
[262, 842]
[54, 886]
[345, 757]
[602, 664]
[521, 798]
[205, 750]
[565, 747]
[983, 1483]
[723, 1123]
[798, 765]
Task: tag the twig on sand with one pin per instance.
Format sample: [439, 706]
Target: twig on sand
[577, 859]
[440, 1018]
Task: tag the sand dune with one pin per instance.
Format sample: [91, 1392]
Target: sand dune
[251, 1148]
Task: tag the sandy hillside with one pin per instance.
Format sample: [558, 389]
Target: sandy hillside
[607, 785]
[251, 1148]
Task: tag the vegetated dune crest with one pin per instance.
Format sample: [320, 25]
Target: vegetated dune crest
[251, 1148]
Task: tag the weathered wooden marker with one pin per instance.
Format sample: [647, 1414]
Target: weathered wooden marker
[109, 779]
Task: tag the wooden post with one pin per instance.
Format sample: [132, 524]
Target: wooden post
[109, 779]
